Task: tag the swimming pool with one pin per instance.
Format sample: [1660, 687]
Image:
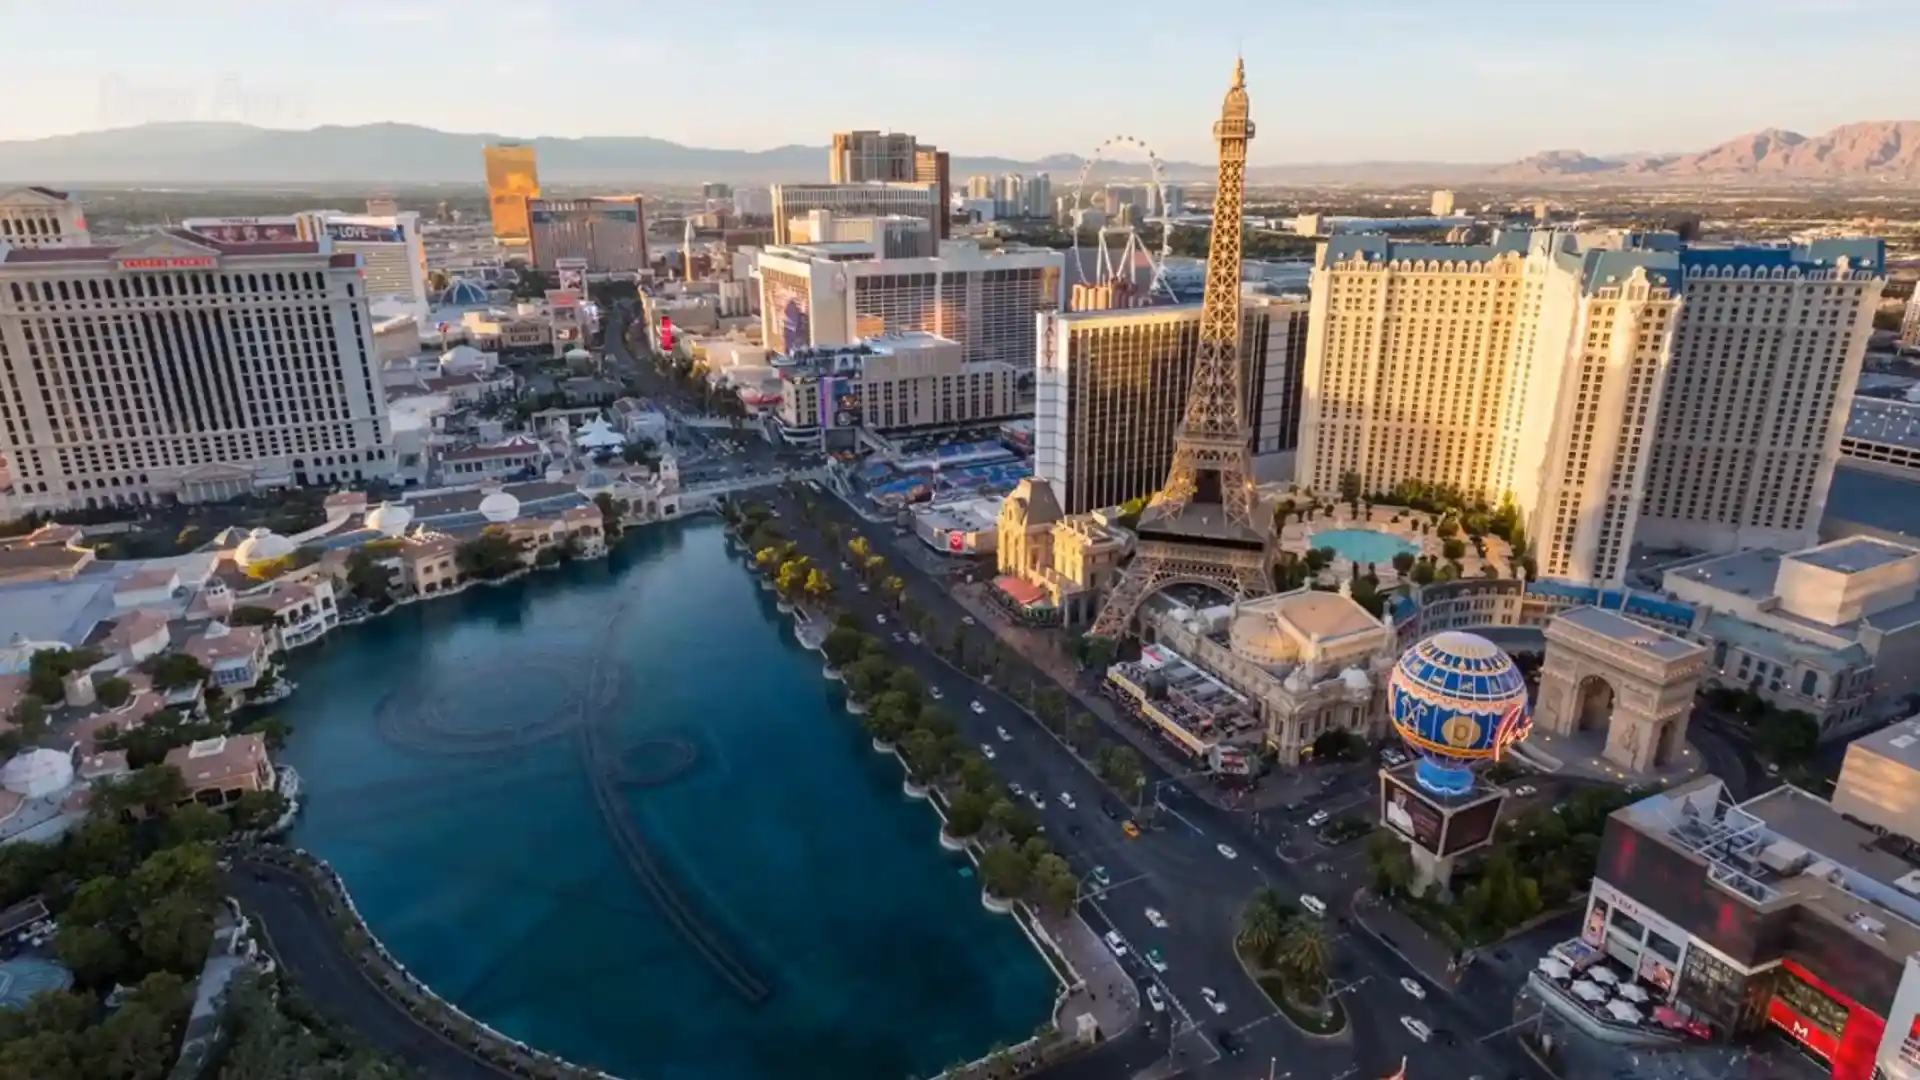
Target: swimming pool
[1363, 545]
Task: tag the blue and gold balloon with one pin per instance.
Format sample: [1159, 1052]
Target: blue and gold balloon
[1458, 702]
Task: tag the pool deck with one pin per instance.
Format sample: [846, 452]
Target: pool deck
[1400, 523]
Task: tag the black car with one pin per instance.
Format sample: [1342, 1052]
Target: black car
[1109, 810]
[1229, 1045]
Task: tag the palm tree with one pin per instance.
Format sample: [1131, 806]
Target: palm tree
[1261, 926]
[1306, 950]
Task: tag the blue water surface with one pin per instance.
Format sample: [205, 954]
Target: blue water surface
[1363, 545]
[449, 782]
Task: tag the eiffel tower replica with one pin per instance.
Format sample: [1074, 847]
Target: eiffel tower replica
[1204, 525]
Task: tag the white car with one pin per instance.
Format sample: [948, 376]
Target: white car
[1156, 961]
[844, 565]
[1116, 943]
[913, 638]
[978, 709]
[1412, 986]
[1213, 1000]
[968, 619]
[881, 619]
[1158, 920]
[933, 692]
[898, 637]
[1003, 734]
[1417, 1029]
[1017, 791]
[1525, 790]
[1226, 852]
[1101, 877]
[1038, 800]
[1318, 819]
[1154, 999]
[986, 751]
[1066, 800]
[863, 588]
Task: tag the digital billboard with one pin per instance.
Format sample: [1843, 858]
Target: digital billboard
[252, 230]
[352, 232]
[1409, 813]
[839, 403]
[1472, 826]
[786, 301]
[1676, 887]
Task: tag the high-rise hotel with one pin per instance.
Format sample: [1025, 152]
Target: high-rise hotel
[1112, 388]
[181, 366]
[1616, 387]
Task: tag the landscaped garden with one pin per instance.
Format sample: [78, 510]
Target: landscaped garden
[1290, 954]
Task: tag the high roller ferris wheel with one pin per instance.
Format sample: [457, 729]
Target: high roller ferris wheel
[1109, 267]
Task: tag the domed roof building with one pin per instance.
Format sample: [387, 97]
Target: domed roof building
[1458, 702]
[391, 519]
[261, 546]
[32, 774]
[463, 292]
[500, 508]
[1310, 662]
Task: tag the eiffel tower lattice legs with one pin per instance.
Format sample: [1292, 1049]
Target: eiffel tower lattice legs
[1239, 576]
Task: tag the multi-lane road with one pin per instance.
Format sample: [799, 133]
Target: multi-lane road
[1178, 871]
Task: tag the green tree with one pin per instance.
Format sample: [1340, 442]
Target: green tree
[1453, 549]
[113, 691]
[195, 824]
[1262, 924]
[841, 646]
[1055, 884]
[1351, 485]
[1403, 562]
[490, 556]
[1390, 861]
[94, 953]
[173, 933]
[367, 577]
[1422, 573]
[258, 809]
[1004, 871]
[29, 714]
[1788, 736]
[1305, 950]
[819, 585]
[187, 870]
[1012, 820]
[273, 730]
[149, 791]
[967, 813]
[1079, 730]
[174, 670]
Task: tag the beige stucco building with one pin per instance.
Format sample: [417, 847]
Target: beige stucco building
[1311, 662]
[1064, 560]
[1615, 387]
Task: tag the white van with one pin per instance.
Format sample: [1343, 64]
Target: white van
[1314, 904]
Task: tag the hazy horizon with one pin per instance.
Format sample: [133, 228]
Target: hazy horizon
[1376, 80]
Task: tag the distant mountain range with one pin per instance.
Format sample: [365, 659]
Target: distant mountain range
[215, 154]
[1881, 150]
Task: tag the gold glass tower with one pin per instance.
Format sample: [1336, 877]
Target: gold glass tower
[513, 177]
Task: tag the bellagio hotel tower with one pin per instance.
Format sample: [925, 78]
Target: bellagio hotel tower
[1618, 388]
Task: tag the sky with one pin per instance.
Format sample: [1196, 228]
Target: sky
[1330, 80]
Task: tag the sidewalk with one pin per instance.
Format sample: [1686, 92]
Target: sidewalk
[1106, 992]
[1413, 943]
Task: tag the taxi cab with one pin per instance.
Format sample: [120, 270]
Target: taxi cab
[1132, 830]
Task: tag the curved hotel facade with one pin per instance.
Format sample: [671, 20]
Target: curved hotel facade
[1618, 388]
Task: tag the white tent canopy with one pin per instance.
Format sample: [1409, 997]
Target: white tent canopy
[596, 434]
[1554, 969]
[1588, 991]
[34, 773]
[1601, 973]
[1623, 1012]
[1633, 992]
